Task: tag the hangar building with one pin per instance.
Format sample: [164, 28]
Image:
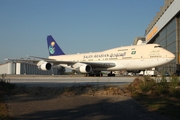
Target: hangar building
[27, 69]
[164, 29]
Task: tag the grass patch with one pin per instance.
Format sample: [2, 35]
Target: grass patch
[5, 88]
[164, 105]
[159, 95]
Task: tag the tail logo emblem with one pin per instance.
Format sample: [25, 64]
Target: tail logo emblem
[52, 48]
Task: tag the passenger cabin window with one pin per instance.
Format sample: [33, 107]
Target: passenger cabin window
[157, 46]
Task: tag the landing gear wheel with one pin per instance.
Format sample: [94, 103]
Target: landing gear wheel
[111, 74]
[94, 74]
[86, 75]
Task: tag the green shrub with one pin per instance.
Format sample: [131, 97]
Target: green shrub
[174, 81]
[161, 89]
[163, 82]
[173, 88]
[130, 88]
[5, 84]
[147, 85]
[174, 92]
[162, 86]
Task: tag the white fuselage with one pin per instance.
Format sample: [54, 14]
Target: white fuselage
[124, 58]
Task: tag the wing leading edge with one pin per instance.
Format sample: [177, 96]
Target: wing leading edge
[57, 62]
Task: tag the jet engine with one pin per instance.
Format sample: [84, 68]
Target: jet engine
[43, 65]
[85, 68]
[81, 67]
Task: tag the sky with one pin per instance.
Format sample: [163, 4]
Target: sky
[78, 26]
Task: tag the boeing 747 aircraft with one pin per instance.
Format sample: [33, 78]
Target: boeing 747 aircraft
[136, 57]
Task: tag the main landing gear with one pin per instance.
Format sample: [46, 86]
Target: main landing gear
[98, 74]
[94, 74]
[111, 74]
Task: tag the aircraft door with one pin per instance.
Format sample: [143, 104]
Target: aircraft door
[142, 57]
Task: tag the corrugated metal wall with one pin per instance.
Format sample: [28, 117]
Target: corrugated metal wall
[23, 68]
[7, 68]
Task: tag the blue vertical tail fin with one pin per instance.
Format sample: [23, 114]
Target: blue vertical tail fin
[53, 47]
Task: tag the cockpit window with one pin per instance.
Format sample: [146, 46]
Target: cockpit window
[157, 46]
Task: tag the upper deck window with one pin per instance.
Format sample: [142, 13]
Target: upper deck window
[157, 46]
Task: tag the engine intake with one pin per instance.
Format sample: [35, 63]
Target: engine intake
[44, 65]
[85, 68]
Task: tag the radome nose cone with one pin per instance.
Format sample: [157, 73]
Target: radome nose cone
[172, 55]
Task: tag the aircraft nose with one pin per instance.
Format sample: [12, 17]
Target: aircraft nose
[171, 56]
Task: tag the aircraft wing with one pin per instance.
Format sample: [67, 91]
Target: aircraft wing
[29, 61]
[55, 62]
[93, 64]
[35, 61]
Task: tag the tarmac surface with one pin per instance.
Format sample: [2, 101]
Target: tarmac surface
[67, 80]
